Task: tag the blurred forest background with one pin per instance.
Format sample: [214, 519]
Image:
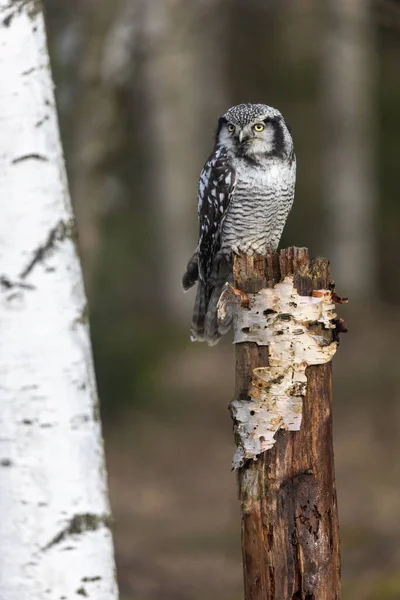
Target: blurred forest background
[140, 85]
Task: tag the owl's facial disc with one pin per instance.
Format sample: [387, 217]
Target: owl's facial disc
[254, 131]
[256, 140]
[250, 132]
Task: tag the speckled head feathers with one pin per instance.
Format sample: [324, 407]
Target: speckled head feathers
[243, 114]
[256, 132]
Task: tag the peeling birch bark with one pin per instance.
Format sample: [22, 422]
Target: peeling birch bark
[284, 321]
[55, 534]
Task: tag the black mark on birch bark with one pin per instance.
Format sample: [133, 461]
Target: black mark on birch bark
[28, 71]
[7, 20]
[79, 524]
[42, 121]
[32, 156]
[32, 7]
[59, 233]
[6, 284]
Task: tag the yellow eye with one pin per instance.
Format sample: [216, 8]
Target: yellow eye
[231, 128]
[259, 127]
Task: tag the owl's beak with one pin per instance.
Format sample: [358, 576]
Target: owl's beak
[242, 136]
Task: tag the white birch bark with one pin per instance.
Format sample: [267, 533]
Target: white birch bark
[350, 194]
[279, 318]
[55, 540]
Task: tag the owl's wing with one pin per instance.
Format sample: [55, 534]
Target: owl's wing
[216, 187]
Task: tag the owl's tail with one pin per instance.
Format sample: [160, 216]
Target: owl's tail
[191, 274]
[197, 329]
[205, 324]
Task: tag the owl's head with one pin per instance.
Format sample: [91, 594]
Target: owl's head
[255, 131]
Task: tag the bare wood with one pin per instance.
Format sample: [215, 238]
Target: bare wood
[290, 538]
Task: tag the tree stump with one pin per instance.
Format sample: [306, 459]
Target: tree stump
[290, 537]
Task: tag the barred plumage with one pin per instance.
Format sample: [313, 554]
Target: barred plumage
[245, 193]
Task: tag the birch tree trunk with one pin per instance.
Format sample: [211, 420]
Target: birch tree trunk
[55, 539]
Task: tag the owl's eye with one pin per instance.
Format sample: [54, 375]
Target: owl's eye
[259, 127]
[231, 128]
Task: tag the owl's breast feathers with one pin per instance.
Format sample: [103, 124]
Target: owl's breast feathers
[260, 205]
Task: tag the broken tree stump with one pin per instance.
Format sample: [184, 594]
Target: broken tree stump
[290, 537]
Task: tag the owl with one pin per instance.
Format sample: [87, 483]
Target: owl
[245, 194]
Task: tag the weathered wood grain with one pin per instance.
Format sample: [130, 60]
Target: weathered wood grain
[290, 538]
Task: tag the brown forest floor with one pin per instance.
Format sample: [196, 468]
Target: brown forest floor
[174, 496]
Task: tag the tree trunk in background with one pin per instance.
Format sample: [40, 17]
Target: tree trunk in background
[348, 118]
[211, 82]
[253, 50]
[55, 534]
[96, 127]
[173, 119]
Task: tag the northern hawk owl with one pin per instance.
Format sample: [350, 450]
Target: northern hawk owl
[245, 193]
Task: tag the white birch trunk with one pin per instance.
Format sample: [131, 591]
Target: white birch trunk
[55, 540]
